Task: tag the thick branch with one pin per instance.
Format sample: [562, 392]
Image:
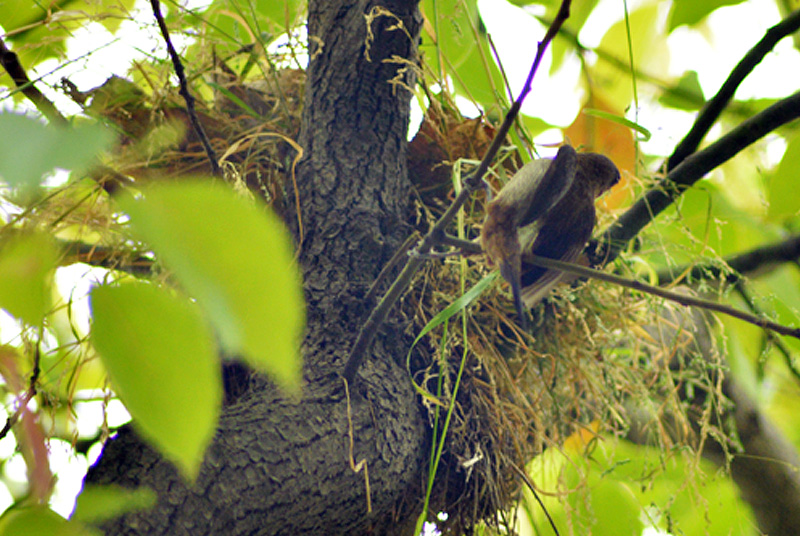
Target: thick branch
[691, 170]
[283, 465]
[10, 62]
[713, 108]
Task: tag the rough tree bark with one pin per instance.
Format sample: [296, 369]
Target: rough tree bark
[280, 465]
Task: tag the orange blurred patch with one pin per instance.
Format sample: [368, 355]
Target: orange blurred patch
[583, 438]
[591, 133]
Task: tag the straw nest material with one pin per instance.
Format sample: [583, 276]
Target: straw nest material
[586, 362]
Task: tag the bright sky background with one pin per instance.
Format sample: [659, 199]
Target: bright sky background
[712, 51]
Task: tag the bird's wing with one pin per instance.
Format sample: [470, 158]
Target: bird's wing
[536, 188]
[561, 238]
[551, 188]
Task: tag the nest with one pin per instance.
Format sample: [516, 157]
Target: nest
[513, 394]
[251, 126]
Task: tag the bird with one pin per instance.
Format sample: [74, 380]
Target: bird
[546, 209]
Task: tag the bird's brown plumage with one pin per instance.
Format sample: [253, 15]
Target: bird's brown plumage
[557, 197]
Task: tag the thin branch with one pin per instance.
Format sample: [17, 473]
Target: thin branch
[473, 181]
[29, 393]
[683, 299]
[10, 62]
[105, 257]
[184, 89]
[713, 108]
[733, 268]
[691, 170]
[528, 482]
[393, 262]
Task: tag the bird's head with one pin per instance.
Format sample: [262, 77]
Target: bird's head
[598, 171]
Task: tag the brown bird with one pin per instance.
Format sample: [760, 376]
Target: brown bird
[547, 209]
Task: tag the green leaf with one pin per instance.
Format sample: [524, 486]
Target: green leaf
[457, 306]
[236, 100]
[687, 95]
[27, 264]
[614, 118]
[99, 503]
[283, 13]
[459, 48]
[783, 198]
[31, 149]
[650, 52]
[235, 23]
[235, 257]
[616, 511]
[163, 364]
[40, 521]
[453, 40]
[691, 11]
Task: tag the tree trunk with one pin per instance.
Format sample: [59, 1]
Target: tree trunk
[280, 465]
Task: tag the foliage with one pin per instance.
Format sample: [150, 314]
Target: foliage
[158, 341]
[218, 264]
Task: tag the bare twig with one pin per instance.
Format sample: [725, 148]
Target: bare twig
[398, 256]
[691, 170]
[473, 181]
[184, 89]
[105, 257]
[29, 393]
[713, 108]
[683, 299]
[685, 170]
[10, 62]
[528, 482]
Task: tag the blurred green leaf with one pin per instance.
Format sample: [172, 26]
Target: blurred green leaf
[27, 265]
[459, 48]
[650, 52]
[452, 40]
[163, 364]
[618, 485]
[691, 11]
[40, 521]
[784, 202]
[283, 13]
[614, 118]
[235, 257]
[612, 511]
[31, 149]
[579, 12]
[99, 503]
[689, 84]
[235, 23]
